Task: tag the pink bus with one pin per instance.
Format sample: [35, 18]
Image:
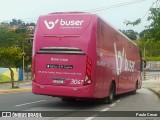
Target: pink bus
[78, 55]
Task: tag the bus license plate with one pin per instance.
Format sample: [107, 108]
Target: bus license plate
[58, 81]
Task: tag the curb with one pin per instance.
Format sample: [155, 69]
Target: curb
[15, 90]
[16, 82]
[156, 92]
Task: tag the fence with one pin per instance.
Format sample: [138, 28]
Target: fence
[147, 75]
[153, 66]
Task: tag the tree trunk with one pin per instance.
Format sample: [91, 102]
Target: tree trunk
[12, 77]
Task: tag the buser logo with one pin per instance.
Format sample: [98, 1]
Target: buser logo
[63, 23]
[51, 24]
[121, 58]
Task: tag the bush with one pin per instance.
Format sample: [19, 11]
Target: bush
[152, 58]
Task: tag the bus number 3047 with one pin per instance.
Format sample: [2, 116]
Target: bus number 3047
[75, 81]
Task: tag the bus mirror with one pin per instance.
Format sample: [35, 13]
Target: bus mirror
[144, 63]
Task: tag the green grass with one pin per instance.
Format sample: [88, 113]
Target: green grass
[4, 78]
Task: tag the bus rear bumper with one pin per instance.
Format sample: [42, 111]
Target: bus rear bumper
[63, 91]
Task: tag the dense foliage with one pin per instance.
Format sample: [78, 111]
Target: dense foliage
[150, 37]
[14, 46]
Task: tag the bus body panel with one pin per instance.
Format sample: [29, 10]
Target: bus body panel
[55, 49]
[119, 57]
[59, 91]
[89, 49]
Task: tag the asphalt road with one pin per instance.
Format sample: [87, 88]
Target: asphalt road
[144, 100]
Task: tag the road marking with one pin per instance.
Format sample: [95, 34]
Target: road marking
[113, 104]
[105, 109]
[118, 101]
[29, 103]
[89, 118]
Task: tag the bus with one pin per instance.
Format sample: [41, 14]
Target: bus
[78, 55]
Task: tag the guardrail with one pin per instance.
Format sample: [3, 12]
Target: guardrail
[146, 75]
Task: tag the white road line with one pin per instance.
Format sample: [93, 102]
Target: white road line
[89, 118]
[118, 101]
[105, 109]
[29, 103]
[113, 104]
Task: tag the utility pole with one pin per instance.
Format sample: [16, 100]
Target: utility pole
[23, 63]
[144, 56]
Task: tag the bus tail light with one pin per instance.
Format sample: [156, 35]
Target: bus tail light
[33, 70]
[88, 80]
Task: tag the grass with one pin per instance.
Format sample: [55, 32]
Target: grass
[4, 78]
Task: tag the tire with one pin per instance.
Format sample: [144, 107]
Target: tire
[66, 99]
[111, 93]
[136, 87]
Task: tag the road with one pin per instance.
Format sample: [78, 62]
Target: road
[144, 100]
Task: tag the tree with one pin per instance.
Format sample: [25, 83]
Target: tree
[15, 40]
[11, 57]
[153, 30]
[4, 24]
[17, 22]
[7, 38]
[21, 30]
[32, 24]
[11, 50]
[26, 47]
[143, 33]
[150, 37]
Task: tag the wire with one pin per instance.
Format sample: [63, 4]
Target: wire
[115, 6]
[96, 9]
[148, 10]
[154, 2]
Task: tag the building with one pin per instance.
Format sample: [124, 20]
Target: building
[30, 31]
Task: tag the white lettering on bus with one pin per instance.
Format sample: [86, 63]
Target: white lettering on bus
[75, 81]
[120, 57]
[51, 24]
[101, 63]
[71, 23]
[59, 59]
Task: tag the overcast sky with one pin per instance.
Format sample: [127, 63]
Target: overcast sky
[29, 10]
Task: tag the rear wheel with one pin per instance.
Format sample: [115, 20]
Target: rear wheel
[112, 93]
[136, 87]
[67, 99]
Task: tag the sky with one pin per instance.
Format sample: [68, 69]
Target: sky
[30, 10]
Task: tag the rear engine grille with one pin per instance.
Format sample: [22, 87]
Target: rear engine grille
[61, 50]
